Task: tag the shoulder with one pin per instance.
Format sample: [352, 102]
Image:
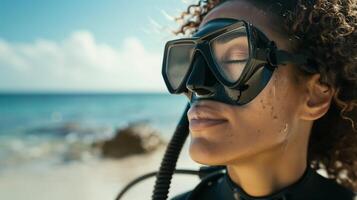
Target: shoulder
[335, 190]
[182, 196]
[202, 188]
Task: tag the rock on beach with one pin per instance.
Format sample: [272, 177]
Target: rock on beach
[136, 138]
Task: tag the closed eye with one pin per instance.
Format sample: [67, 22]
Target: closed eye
[234, 61]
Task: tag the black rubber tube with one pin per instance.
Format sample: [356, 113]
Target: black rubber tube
[168, 164]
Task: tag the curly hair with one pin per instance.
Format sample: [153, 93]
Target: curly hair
[326, 30]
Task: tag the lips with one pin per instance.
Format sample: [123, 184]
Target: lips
[203, 117]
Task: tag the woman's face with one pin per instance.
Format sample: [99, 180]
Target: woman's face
[259, 127]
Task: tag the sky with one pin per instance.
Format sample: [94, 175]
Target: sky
[85, 45]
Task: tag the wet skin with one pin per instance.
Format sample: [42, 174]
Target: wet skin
[263, 143]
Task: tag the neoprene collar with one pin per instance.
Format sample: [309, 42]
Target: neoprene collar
[311, 186]
[284, 194]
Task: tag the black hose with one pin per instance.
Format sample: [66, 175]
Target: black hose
[168, 164]
[151, 174]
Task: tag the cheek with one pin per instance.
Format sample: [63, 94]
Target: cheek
[265, 122]
[262, 124]
[274, 104]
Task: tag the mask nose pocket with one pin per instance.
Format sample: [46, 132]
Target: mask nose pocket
[201, 80]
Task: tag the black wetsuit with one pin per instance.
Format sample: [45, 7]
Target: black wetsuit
[311, 186]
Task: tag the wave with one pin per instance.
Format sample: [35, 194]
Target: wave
[67, 142]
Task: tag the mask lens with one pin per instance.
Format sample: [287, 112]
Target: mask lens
[178, 62]
[231, 53]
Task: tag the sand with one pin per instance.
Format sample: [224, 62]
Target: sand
[93, 180]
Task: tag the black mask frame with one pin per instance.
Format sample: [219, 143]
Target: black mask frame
[262, 53]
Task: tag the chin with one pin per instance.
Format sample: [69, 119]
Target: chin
[205, 153]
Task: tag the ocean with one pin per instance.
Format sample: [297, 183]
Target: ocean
[39, 130]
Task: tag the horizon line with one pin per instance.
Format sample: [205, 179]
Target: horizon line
[81, 92]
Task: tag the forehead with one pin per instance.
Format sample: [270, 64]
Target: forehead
[243, 10]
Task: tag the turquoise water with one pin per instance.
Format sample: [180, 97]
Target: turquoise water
[37, 128]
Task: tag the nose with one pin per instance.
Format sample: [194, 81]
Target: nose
[201, 80]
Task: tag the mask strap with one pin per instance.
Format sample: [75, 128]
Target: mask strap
[307, 64]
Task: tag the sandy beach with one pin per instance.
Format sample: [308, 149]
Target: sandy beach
[94, 179]
[49, 146]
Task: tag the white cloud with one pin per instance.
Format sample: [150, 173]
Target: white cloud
[79, 62]
[188, 2]
[167, 15]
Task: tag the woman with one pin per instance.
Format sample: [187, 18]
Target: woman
[272, 86]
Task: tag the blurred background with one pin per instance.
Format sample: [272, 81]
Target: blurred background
[83, 106]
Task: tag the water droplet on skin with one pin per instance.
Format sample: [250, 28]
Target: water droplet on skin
[272, 111]
[285, 128]
[284, 131]
[274, 91]
[261, 101]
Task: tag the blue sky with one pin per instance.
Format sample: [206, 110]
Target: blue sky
[84, 45]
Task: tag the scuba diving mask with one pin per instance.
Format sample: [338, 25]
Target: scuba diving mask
[227, 60]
